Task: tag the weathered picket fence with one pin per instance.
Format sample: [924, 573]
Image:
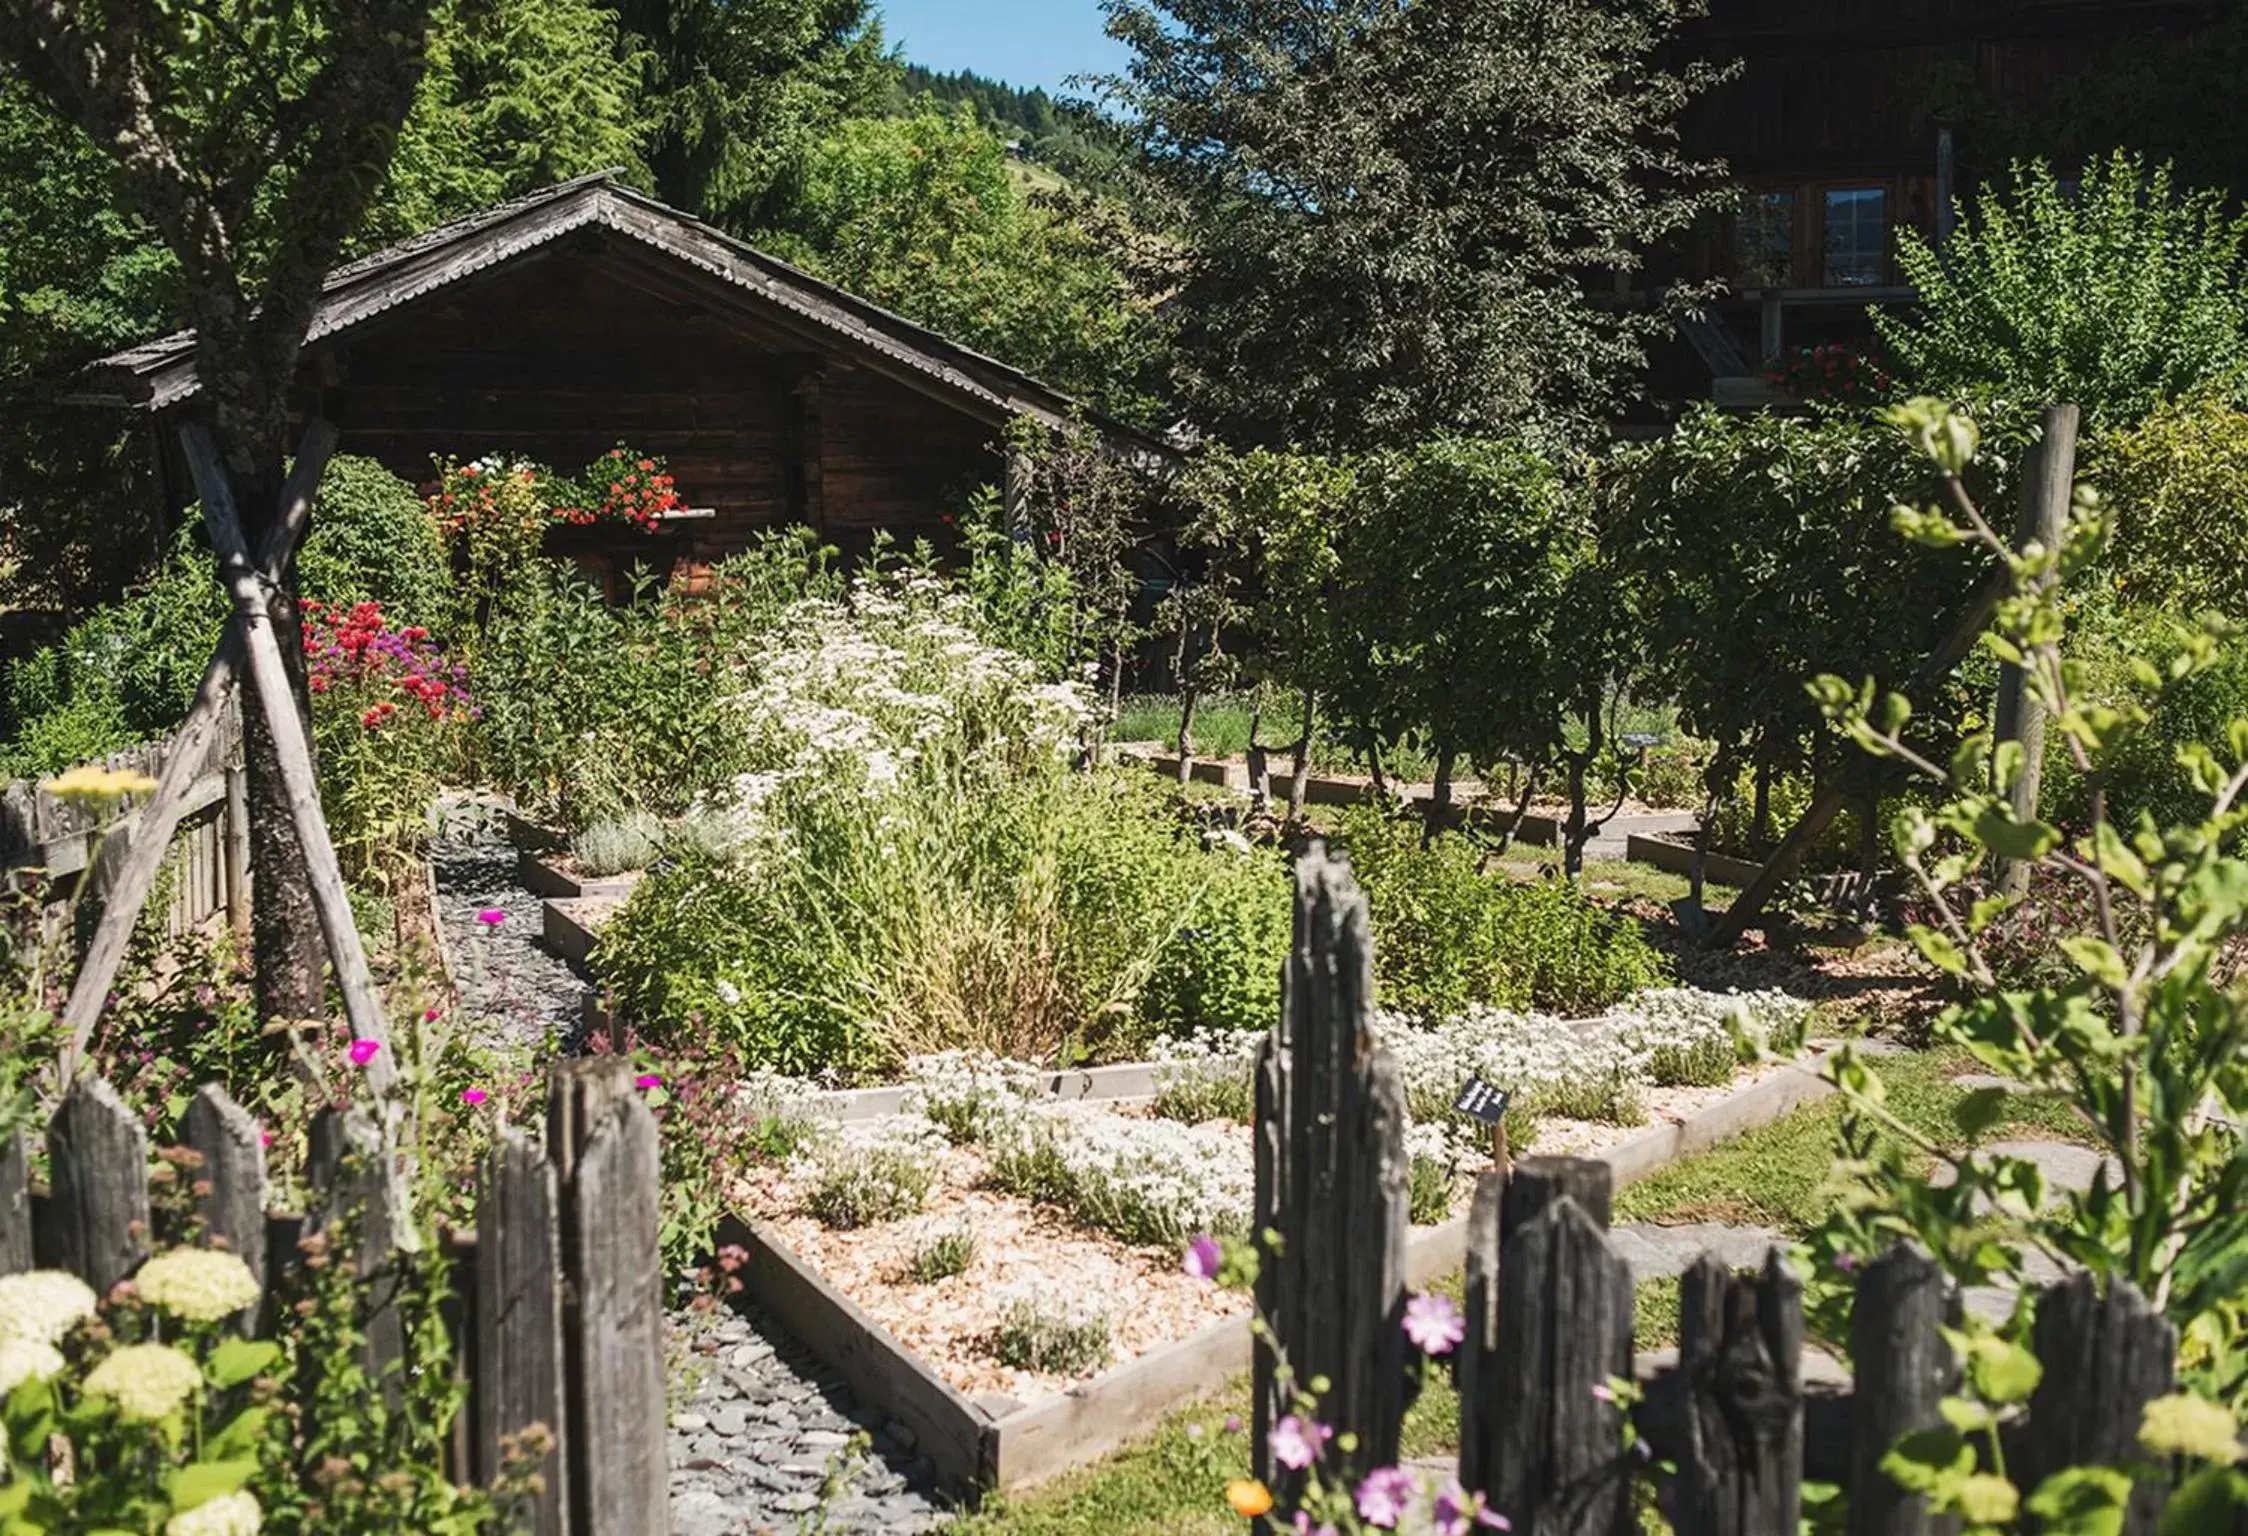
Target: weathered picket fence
[210, 855]
[1549, 1312]
[558, 1291]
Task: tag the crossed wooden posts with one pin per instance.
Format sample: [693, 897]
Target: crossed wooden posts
[248, 636]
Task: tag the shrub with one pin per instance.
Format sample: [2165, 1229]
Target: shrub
[1207, 1077]
[372, 541]
[1428, 1193]
[945, 1256]
[1221, 969]
[1447, 936]
[614, 846]
[1035, 1336]
[2177, 490]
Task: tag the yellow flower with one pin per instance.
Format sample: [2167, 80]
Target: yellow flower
[23, 1360]
[1249, 1498]
[147, 1381]
[230, 1514]
[39, 1306]
[2182, 1425]
[199, 1284]
[93, 787]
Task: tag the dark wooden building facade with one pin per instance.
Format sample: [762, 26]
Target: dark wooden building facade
[554, 327]
[1845, 126]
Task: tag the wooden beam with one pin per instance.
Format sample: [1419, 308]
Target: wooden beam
[151, 837]
[362, 1004]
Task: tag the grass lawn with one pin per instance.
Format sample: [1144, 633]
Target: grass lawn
[1173, 1482]
[1778, 1175]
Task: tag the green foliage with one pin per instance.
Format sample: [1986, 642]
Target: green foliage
[1388, 212]
[372, 541]
[2177, 487]
[1428, 1192]
[1221, 969]
[921, 214]
[2121, 294]
[942, 1257]
[1447, 935]
[1034, 1336]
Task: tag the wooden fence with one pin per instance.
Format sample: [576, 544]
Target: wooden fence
[558, 1291]
[1537, 1435]
[210, 859]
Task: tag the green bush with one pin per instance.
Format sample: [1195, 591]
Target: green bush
[372, 541]
[2144, 776]
[1221, 969]
[2177, 489]
[1446, 935]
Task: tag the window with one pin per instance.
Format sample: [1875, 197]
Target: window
[1764, 240]
[1857, 236]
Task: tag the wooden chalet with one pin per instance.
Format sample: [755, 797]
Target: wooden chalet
[552, 327]
[1838, 126]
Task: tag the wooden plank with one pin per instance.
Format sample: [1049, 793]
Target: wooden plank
[97, 1155]
[948, 1429]
[361, 1208]
[1902, 1368]
[362, 1003]
[518, 1338]
[15, 1205]
[604, 1141]
[1739, 1348]
[2105, 1358]
[183, 765]
[233, 1176]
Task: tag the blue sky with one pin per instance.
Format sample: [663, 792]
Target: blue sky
[1023, 42]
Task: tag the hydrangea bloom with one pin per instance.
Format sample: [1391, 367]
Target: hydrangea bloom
[146, 1381]
[41, 1305]
[230, 1514]
[199, 1284]
[23, 1360]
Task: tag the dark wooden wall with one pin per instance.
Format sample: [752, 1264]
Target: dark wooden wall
[761, 418]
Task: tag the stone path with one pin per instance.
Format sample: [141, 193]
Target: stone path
[768, 1442]
[511, 986]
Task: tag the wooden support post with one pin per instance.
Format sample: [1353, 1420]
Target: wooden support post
[1903, 1368]
[2048, 481]
[1022, 476]
[1331, 1179]
[1774, 338]
[15, 1205]
[519, 1357]
[136, 873]
[805, 449]
[362, 1003]
[2105, 1358]
[97, 1156]
[237, 824]
[1739, 1358]
[234, 1170]
[603, 1140]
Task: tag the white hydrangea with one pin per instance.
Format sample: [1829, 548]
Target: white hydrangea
[23, 1360]
[199, 1284]
[39, 1306]
[230, 1514]
[146, 1381]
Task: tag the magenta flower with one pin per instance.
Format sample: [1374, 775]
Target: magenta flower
[429, 1015]
[1384, 1497]
[1434, 1324]
[265, 1137]
[1304, 1527]
[473, 1095]
[1457, 1513]
[1233, 1423]
[364, 1051]
[650, 1080]
[1296, 1444]
[1203, 1258]
[491, 917]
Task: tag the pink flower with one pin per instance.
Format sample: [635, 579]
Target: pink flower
[1233, 1423]
[1434, 1324]
[364, 1051]
[651, 1080]
[1602, 1392]
[1296, 1444]
[265, 1137]
[491, 917]
[1384, 1497]
[473, 1095]
[429, 1015]
[1203, 1258]
[1458, 1512]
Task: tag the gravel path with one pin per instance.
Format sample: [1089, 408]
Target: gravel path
[768, 1442]
[508, 981]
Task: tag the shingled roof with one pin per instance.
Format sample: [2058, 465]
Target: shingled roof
[159, 374]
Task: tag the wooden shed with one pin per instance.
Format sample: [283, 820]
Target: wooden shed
[552, 327]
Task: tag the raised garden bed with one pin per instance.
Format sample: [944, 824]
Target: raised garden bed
[571, 926]
[1676, 857]
[550, 872]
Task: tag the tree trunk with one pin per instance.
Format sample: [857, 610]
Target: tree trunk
[1869, 852]
[1760, 816]
[1188, 698]
[1440, 795]
[1573, 843]
[1374, 762]
[1260, 766]
[1300, 785]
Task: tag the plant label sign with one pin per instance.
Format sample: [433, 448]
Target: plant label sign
[1482, 1101]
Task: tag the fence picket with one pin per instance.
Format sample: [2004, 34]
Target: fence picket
[518, 1343]
[15, 1205]
[2105, 1357]
[1740, 1365]
[604, 1141]
[349, 1167]
[1331, 1172]
[1903, 1370]
[97, 1155]
[233, 1172]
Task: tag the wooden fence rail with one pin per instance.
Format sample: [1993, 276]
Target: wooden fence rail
[1549, 1316]
[558, 1291]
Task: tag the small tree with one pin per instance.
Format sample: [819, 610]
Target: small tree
[253, 140]
[2118, 294]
